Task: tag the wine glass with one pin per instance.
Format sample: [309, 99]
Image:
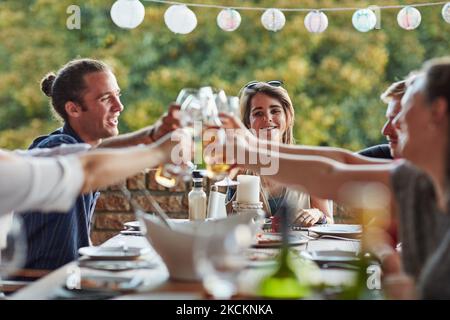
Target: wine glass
[215, 136]
[167, 174]
[219, 257]
[200, 110]
[225, 104]
[191, 108]
[233, 105]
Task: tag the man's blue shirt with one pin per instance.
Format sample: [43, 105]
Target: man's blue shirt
[54, 238]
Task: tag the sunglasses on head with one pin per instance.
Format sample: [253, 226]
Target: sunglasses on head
[273, 83]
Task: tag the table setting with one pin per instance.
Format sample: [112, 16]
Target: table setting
[223, 255]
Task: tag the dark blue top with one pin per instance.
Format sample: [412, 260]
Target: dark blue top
[381, 151]
[53, 239]
[275, 204]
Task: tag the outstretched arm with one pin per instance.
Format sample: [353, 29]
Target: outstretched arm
[104, 167]
[52, 184]
[167, 123]
[321, 177]
[337, 154]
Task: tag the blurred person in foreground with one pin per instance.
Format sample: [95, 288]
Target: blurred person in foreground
[418, 185]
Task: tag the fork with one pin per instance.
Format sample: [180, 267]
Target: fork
[328, 236]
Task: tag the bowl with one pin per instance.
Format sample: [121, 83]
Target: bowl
[176, 245]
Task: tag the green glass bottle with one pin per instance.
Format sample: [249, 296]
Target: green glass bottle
[283, 283]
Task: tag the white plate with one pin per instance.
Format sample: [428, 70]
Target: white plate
[133, 225]
[112, 253]
[131, 233]
[116, 265]
[343, 230]
[257, 258]
[324, 256]
[111, 283]
[273, 240]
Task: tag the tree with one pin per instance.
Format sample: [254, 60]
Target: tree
[334, 78]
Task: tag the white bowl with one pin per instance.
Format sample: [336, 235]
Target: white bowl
[176, 245]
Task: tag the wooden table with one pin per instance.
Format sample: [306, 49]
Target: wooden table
[157, 284]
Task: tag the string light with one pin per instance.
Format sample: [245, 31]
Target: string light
[127, 14]
[273, 19]
[409, 18]
[180, 19]
[364, 20]
[316, 22]
[446, 12]
[241, 8]
[228, 19]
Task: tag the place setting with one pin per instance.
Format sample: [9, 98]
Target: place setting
[132, 228]
[113, 253]
[274, 240]
[115, 258]
[349, 232]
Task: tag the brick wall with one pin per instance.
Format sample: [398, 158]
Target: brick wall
[113, 208]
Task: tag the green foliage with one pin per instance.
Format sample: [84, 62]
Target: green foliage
[334, 78]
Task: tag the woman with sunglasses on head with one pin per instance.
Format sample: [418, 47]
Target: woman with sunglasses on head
[267, 110]
[418, 186]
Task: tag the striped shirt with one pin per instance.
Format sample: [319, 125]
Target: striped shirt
[53, 239]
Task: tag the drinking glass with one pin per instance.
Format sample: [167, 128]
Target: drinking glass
[219, 258]
[167, 174]
[215, 136]
[191, 107]
[199, 111]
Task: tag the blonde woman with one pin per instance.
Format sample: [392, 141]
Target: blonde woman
[267, 110]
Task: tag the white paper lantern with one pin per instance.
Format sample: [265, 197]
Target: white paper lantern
[228, 19]
[127, 14]
[180, 19]
[446, 12]
[409, 18]
[273, 19]
[364, 20]
[316, 22]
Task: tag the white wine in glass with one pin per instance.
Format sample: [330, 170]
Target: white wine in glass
[216, 169]
[163, 178]
[216, 134]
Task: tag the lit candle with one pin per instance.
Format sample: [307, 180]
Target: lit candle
[248, 189]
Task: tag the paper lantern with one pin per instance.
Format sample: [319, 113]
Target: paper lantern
[316, 22]
[446, 12]
[364, 20]
[127, 14]
[273, 19]
[409, 18]
[180, 19]
[228, 19]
